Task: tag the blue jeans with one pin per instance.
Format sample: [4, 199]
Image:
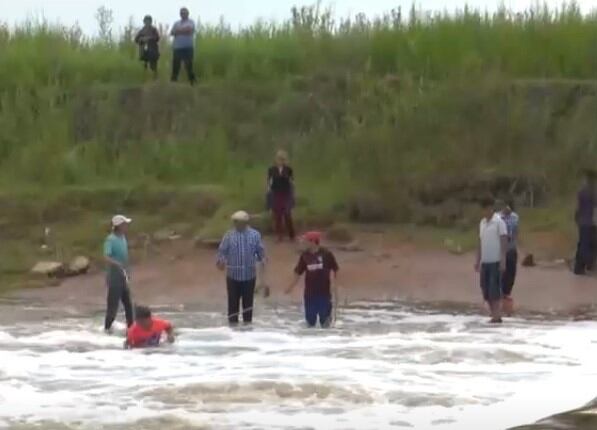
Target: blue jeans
[318, 307]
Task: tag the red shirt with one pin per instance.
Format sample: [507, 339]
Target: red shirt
[138, 337]
[317, 268]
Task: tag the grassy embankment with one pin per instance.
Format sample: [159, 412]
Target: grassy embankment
[403, 120]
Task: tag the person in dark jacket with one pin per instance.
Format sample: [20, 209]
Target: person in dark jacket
[587, 230]
[280, 183]
[148, 40]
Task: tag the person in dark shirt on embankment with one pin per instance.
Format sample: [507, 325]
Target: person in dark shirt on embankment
[280, 186]
[320, 269]
[587, 230]
[148, 40]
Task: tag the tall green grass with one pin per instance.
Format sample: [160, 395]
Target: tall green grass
[386, 106]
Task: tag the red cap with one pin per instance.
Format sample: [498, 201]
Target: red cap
[312, 236]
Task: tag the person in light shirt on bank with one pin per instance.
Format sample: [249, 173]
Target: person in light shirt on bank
[183, 46]
[491, 258]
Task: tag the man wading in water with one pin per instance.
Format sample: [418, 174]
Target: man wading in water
[512, 220]
[239, 253]
[320, 269]
[587, 230]
[116, 255]
[491, 257]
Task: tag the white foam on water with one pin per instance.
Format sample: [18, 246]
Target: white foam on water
[385, 366]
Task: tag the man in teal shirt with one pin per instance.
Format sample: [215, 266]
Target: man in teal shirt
[116, 255]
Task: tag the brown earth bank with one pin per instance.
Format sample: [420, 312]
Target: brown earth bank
[379, 268]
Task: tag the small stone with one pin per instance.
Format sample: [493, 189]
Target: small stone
[528, 261]
[78, 266]
[351, 247]
[48, 268]
[207, 243]
[166, 235]
[380, 256]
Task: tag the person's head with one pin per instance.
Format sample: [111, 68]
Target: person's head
[487, 207]
[505, 206]
[240, 220]
[508, 207]
[184, 13]
[312, 240]
[143, 317]
[148, 20]
[281, 158]
[120, 224]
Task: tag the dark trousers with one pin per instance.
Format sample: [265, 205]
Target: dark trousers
[151, 65]
[150, 60]
[318, 307]
[585, 251]
[509, 276]
[240, 291]
[118, 291]
[282, 214]
[180, 56]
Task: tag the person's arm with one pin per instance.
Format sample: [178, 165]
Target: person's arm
[579, 205]
[138, 37]
[156, 35]
[260, 253]
[295, 280]
[503, 231]
[170, 332]
[478, 255]
[189, 28]
[174, 30]
[108, 255]
[268, 181]
[299, 270]
[334, 268]
[129, 342]
[223, 252]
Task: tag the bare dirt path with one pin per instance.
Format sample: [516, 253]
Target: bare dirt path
[382, 270]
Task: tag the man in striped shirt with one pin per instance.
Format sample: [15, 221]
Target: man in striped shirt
[240, 251]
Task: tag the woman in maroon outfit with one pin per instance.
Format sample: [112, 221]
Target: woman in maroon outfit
[280, 181]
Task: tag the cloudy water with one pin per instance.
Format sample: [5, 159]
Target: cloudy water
[384, 366]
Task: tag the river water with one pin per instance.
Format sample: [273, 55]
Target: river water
[383, 366]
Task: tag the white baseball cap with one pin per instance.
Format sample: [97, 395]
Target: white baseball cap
[240, 216]
[120, 219]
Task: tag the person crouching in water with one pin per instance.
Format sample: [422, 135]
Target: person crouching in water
[509, 276]
[320, 269]
[147, 331]
[491, 257]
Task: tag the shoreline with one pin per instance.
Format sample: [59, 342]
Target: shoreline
[380, 269]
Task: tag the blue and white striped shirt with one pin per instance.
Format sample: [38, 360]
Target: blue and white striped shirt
[241, 251]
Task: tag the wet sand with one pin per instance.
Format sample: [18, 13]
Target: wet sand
[383, 269]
